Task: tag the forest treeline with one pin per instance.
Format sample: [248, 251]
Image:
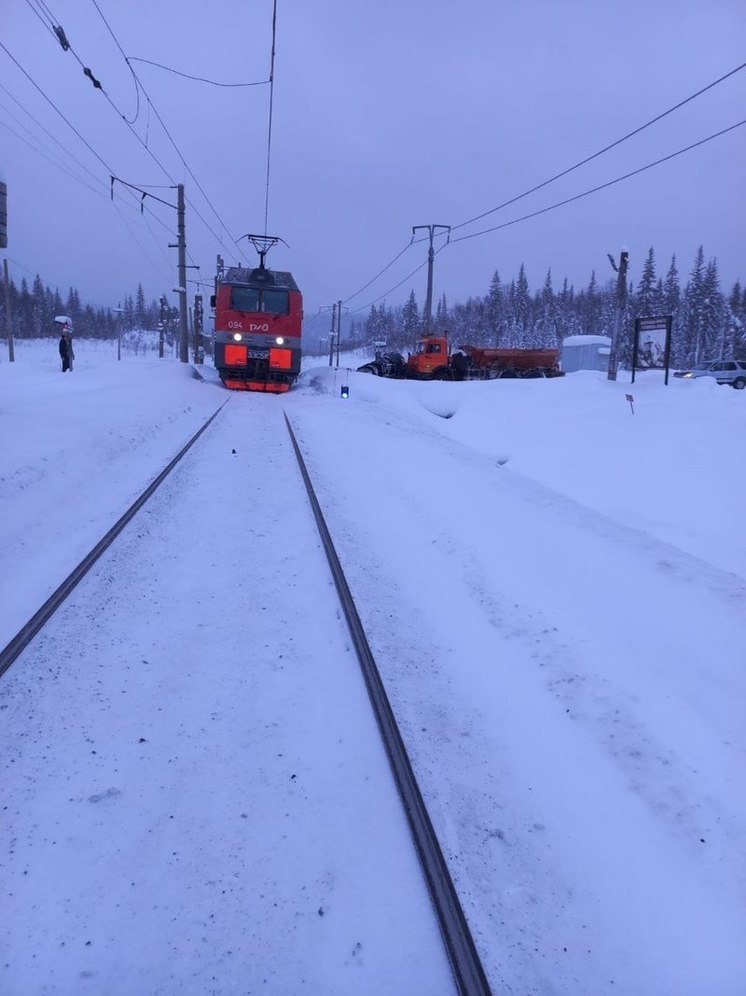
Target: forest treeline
[707, 323]
[34, 308]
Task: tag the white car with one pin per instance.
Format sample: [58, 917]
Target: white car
[731, 372]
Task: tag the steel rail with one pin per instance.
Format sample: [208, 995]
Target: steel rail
[466, 966]
[22, 639]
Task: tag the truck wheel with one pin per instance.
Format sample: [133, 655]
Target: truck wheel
[739, 383]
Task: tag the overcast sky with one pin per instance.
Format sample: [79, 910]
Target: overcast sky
[386, 116]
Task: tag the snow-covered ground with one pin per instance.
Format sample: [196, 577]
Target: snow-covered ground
[554, 588]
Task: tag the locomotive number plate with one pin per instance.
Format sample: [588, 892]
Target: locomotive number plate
[259, 354]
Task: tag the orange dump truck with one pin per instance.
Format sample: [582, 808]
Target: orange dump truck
[433, 360]
[492, 363]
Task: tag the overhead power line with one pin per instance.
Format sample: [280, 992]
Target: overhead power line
[171, 139]
[134, 75]
[271, 103]
[48, 155]
[602, 186]
[552, 207]
[380, 272]
[64, 148]
[56, 108]
[188, 76]
[606, 148]
[58, 32]
[72, 127]
[397, 286]
[50, 21]
[44, 18]
[561, 174]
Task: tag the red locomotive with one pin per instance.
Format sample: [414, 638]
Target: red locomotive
[258, 316]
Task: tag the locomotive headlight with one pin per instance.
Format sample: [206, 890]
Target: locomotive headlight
[237, 336]
[279, 340]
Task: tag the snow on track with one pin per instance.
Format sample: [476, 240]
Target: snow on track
[582, 763]
[195, 789]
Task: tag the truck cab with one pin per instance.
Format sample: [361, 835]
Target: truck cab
[430, 359]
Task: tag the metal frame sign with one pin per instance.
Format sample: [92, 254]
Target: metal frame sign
[652, 346]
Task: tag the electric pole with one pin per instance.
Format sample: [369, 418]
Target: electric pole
[621, 304]
[8, 315]
[180, 244]
[339, 326]
[430, 260]
[332, 330]
[332, 333]
[162, 326]
[119, 312]
[183, 331]
[198, 353]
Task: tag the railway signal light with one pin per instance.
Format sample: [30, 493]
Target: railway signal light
[345, 392]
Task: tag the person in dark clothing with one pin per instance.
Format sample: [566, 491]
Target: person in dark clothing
[66, 350]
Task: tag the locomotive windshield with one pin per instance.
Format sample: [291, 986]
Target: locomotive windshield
[267, 301]
[275, 302]
[244, 299]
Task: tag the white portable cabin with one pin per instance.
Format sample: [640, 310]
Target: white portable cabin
[585, 352]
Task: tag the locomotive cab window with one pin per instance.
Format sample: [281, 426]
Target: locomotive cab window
[244, 299]
[275, 302]
[269, 302]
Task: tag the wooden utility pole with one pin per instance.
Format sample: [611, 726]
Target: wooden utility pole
[332, 334]
[8, 314]
[339, 328]
[621, 304]
[199, 354]
[182, 347]
[183, 329]
[430, 261]
[162, 327]
[118, 312]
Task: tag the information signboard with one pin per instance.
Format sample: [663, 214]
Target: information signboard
[652, 346]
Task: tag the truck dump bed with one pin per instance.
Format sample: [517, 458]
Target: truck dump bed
[514, 359]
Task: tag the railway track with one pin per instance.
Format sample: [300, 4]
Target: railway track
[468, 974]
[26, 634]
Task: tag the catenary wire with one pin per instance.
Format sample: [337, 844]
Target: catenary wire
[153, 262]
[67, 121]
[552, 179]
[568, 200]
[49, 156]
[134, 75]
[601, 152]
[64, 148]
[569, 170]
[199, 79]
[396, 286]
[67, 46]
[20, 266]
[271, 104]
[380, 272]
[152, 106]
[602, 186]
[46, 21]
[56, 108]
[129, 124]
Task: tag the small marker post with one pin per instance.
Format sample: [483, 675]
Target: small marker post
[631, 402]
